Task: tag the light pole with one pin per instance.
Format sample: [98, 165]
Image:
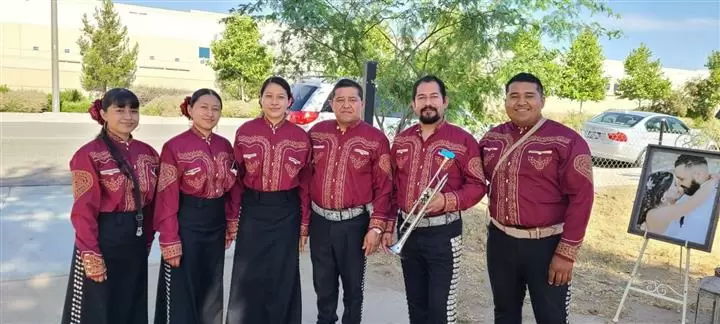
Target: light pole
[54, 57]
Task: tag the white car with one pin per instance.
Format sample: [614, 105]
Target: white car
[311, 104]
[624, 135]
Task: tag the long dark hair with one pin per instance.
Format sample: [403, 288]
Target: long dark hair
[122, 98]
[658, 183]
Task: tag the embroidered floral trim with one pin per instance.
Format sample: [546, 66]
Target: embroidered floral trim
[377, 223]
[583, 165]
[304, 230]
[567, 251]
[384, 163]
[451, 201]
[168, 175]
[475, 167]
[540, 162]
[82, 182]
[171, 251]
[94, 264]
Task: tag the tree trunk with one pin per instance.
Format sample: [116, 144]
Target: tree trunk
[581, 103]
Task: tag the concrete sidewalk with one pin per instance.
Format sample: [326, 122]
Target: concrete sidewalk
[36, 241]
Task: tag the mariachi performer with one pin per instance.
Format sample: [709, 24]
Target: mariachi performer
[273, 170]
[350, 198]
[113, 182]
[541, 196]
[196, 215]
[431, 253]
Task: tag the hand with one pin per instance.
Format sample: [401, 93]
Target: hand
[386, 242]
[98, 278]
[372, 240]
[303, 243]
[229, 238]
[560, 271]
[172, 254]
[94, 267]
[174, 262]
[437, 203]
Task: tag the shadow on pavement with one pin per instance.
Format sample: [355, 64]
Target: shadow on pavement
[35, 175]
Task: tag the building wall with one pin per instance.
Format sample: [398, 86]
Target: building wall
[171, 44]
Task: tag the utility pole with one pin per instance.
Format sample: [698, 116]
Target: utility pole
[54, 58]
[369, 85]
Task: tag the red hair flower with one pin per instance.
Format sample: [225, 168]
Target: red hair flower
[184, 107]
[94, 111]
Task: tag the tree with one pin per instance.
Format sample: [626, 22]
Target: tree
[644, 80]
[705, 93]
[108, 61]
[461, 41]
[582, 75]
[530, 56]
[240, 60]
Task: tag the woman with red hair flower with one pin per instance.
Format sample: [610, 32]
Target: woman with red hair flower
[113, 182]
[196, 212]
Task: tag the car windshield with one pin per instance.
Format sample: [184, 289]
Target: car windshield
[301, 94]
[614, 118]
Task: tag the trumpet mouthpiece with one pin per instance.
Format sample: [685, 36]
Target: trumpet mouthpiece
[447, 154]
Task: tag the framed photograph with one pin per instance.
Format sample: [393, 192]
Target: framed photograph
[677, 198]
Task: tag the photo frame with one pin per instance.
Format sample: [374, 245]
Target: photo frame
[674, 182]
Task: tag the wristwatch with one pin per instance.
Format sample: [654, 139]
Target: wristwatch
[377, 230]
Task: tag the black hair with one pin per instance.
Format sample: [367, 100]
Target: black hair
[526, 77]
[657, 184]
[279, 81]
[347, 83]
[122, 98]
[690, 160]
[204, 91]
[427, 79]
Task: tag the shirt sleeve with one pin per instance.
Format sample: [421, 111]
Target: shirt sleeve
[167, 202]
[394, 207]
[475, 187]
[304, 190]
[577, 184]
[86, 204]
[149, 208]
[232, 199]
[382, 186]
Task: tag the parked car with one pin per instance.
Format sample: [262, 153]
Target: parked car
[624, 135]
[311, 104]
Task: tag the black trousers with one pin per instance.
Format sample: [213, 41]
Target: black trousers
[513, 265]
[430, 264]
[122, 298]
[336, 251]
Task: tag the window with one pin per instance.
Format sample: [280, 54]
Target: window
[203, 52]
[675, 126]
[67, 51]
[36, 48]
[152, 57]
[616, 118]
[177, 59]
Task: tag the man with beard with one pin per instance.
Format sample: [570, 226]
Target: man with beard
[350, 193]
[691, 172]
[431, 255]
[540, 195]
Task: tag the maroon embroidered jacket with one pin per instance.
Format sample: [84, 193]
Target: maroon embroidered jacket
[547, 180]
[351, 169]
[100, 186]
[274, 158]
[197, 166]
[415, 162]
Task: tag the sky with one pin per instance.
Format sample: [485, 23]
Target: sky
[681, 33]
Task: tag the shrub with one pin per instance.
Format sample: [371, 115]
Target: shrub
[4, 88]
[75, 106]
[148, 94]
[677, 104]
[27, 101]
[575, 120]
[169, 106]
[710, 128]
[241, 109]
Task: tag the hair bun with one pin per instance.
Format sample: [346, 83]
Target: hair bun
[184, 107]
[94, 111]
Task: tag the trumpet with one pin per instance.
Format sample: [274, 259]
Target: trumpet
[414, 215]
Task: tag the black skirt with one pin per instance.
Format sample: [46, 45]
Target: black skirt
[265, 286]
[122, 297]
[193, 292]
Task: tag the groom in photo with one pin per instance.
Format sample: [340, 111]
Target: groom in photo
[691, 171]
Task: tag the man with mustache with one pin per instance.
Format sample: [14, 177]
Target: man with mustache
[541, 195]
[691, 172]
[350, 193]
[431, 255]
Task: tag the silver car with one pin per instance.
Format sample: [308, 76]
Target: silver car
[624, 135]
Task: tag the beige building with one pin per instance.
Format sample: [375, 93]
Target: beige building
[173, 45]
